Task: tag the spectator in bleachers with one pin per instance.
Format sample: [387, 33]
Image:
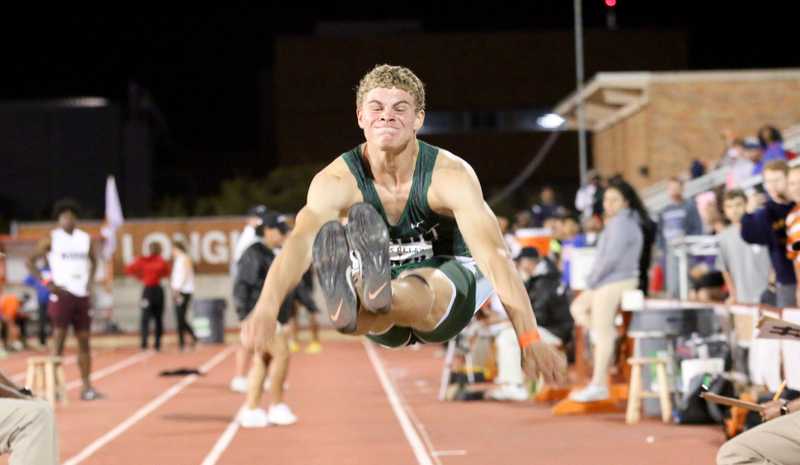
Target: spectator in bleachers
[14, 320]
[548, 296]
[510, 379]
[708, 209]
[511, 241]
[767, 226]
[744, 267]
[772, 142]
[592, 228]
[793, 223]
[615, 270]
[697, 169]
[755, 153]
[546, 208]
[523, 219]
[42, 298]
[570, 237]
[729, 153]
[586, 197]
[678, 219]
[740, 166]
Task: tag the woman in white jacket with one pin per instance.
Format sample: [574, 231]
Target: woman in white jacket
[182, 284]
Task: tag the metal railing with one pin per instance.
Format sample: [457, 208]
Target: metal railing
[656, 198]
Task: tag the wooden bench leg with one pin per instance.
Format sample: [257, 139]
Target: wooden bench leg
[663, 393]
[61, 384]
[633, 412]
[30, 376]
[50, 383]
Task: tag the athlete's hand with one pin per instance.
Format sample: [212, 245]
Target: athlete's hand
[543, 359]
[257, 330]
[51, 286]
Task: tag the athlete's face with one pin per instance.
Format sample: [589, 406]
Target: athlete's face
[66, 220]
[389, 118]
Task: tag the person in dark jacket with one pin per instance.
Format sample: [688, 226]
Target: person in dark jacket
[251, 272]
[767, 226]
[548, 296]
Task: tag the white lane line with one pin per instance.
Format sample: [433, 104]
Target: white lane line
[122, 364]
[147, 409]
[423, 433]
[445, 453]
[225, 440]
[420, 452]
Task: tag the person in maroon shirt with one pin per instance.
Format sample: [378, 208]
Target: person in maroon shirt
[149, 270]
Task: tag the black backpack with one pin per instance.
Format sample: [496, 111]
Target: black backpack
[722, 386]
[692, 409]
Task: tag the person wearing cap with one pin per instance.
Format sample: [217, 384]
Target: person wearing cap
[248, 234]
[251, 272]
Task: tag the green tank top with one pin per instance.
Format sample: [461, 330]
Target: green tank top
[421, 233]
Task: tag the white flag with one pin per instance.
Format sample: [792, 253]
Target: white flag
[114, 218]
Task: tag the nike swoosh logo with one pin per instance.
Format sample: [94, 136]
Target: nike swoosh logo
[335, 316]
[372, 295]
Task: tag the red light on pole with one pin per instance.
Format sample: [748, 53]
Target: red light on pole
[611, 3]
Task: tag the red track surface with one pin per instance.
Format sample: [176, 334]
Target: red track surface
[345, 418]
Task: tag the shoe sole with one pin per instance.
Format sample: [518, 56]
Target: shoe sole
[331, 257]
[368, 237]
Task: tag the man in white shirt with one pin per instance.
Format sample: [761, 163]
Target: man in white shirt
[72, 259]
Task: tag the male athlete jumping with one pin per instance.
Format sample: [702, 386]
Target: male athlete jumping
[403, 269]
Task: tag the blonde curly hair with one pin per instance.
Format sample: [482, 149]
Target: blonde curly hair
[388, 76]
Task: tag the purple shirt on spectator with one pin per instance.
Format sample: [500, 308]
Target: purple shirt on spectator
[774, 151]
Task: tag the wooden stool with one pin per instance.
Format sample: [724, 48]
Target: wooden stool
[45, 378]
[635, 393]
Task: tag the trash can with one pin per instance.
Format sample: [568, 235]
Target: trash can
[209, 320]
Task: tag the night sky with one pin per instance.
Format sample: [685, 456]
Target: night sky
[202, 67]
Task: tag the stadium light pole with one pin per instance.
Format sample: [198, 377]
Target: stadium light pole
[582, 157]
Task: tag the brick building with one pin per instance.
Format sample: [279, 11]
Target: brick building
[649, 126]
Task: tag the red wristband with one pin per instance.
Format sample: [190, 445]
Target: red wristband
[528, 338]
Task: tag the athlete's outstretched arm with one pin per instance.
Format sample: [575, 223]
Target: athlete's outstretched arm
[328, 195]
[457, 189]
